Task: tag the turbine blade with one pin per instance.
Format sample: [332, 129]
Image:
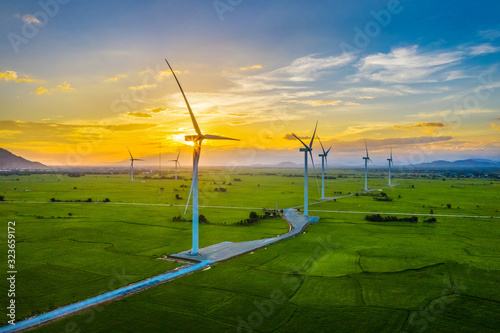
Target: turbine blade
[324, 152]
[138, 159]
[391, 153]
[366, 147]
[193, 119]
[178, 155]
[300, 141]
[312, 139]
[328, 150]
[216, 137]
[130, 153]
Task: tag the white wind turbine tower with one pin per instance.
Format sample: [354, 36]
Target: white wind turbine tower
[390, 164]
[132, 159]
[307, 149]
[367, 158]
[197, 140]
[324, 159]
[176, 163]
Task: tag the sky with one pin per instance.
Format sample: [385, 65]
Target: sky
[80, 81]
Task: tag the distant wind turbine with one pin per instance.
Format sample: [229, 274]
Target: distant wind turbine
[197, 139]
[176, 163]
[307, 149]
[324, 159]
[390, 164]
[367, 158]
[132, 159]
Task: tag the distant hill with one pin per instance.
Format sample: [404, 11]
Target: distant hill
[10, 161]
[283, 165]
[460, 164]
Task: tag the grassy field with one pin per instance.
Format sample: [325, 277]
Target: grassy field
[344, 274]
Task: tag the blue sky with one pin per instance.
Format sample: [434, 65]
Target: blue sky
[419, 76]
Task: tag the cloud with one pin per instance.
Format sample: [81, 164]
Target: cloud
[365, 97]
[426, 126]
[64, 87]
[12, 76]
[8, 76]
[61, 87]
[315, 102]
[130, 127]
[351, 103]
[28, 18]
[495, 127]
[483, 49]
[405, 65]
[304, 69]
[145, 86]
[157, 110]
[289, 136]
[447, 113]
[115, 78]
[41, 90]
[139, 114]
[251, 67]
[490, 34]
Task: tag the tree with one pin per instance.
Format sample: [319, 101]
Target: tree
[253, 216]
[2, 198]
[178, 197]
[107, 200]
[70, 214]
[203, 219]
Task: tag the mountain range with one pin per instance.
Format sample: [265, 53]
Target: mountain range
[9, 161]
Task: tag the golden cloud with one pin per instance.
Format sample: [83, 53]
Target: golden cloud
[365, 97]
[140, 114]
[115, 78]
[495, 127]
[8, 76]
[41, 90]
[12, 76]
[351, 103]
[315, 102]
[157, 110]
[425, 126]
[250, 67]
[61, 87]
[144, 86]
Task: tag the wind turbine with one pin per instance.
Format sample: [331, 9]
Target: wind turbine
[390, 164]
[324, 158]
[176, 163]
[197, 140]
[132, 159]
[306, 149]
[367, 158]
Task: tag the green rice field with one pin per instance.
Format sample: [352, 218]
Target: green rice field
[344, 274]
